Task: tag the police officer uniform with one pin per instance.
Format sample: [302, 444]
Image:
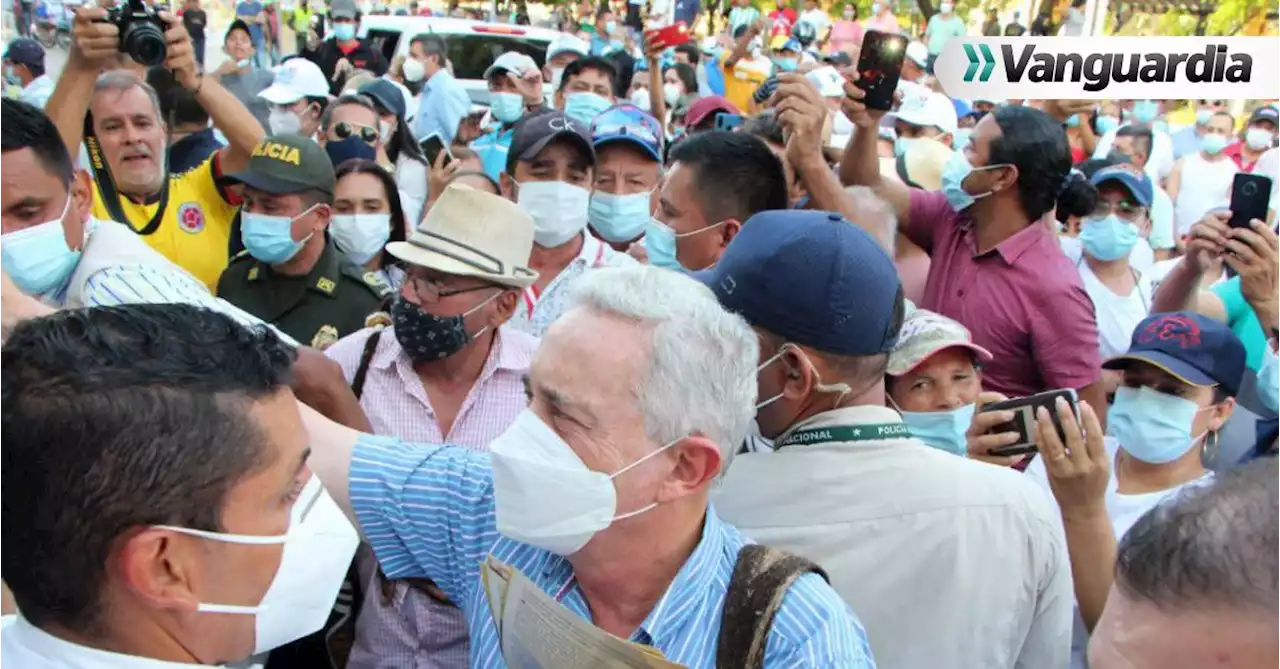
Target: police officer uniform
[334, 298]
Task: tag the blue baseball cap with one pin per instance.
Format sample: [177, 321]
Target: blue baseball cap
[812, 278]
[25, 51]
[628, 123]
[1138, 184]
[963, 108]
[1196, 349]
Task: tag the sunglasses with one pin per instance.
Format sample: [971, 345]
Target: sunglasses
[343, 130]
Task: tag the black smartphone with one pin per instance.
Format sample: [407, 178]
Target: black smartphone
[1250, 195]
[727, 121]
[431, 146]
[1024, 419]
[879, 67]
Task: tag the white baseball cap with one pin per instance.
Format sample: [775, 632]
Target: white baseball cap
[933, 110]
[918, 53]
[296, 78]
[828, 81]
[513, 62]
[566, 43]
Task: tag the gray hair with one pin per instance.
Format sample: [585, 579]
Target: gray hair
[121, 81]
[702, 365]
[356, 99]
[874, 214]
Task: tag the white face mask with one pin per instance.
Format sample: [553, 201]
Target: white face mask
[385, 130]
[317, 552]
[284, 122]
[360, 236]
[640, 98]
[670, 93]
[545, 495]
[559, 210]
[413, 70]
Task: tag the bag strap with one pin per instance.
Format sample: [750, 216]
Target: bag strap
[761, 578]
[370, 345]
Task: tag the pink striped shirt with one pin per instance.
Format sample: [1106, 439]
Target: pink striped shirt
[414, 631]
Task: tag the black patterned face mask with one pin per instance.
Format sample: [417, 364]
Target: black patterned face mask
[426, 337]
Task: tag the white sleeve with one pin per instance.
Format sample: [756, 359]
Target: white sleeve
[1104, 145]
[145, 284]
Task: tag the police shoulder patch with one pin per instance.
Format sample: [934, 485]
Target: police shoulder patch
[374, 282]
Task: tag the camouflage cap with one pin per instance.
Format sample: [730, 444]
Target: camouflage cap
[923, 334]
[284, 164]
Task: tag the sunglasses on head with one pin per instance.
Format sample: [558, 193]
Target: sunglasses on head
[367, 134]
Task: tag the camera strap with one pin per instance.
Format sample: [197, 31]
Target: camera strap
[107, 185]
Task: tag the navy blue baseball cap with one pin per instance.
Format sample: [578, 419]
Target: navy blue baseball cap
[386, 95]
[25, 51]
[1138, 184]
[628, 123]
[1195, 349]
[812, 278]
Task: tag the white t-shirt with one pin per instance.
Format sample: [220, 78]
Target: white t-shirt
[1205, 185]
[1162, 229]
[1117, 315]
[1268, 165]
[816, 18]
[1124, 511]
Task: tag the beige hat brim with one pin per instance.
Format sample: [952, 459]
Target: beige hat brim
[520, 277]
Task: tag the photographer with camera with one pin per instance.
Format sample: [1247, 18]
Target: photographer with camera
[186, 217]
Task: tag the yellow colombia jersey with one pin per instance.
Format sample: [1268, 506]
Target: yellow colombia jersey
[742, 80]
[196, 228]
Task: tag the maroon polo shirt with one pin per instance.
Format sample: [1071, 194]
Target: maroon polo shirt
[1022, 300]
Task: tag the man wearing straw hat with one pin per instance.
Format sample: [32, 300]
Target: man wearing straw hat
[450, 371]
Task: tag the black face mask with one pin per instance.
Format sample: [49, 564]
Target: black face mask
[427, 338]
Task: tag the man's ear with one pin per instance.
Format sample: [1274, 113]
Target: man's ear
[79, 207]
[507, 186]
[728, 231]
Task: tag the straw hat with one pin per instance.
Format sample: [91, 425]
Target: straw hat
[473, 233]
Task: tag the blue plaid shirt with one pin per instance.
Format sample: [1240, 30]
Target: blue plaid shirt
[428, 512]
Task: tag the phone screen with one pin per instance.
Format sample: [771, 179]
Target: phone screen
[432, 145]
[1250, 196]
[879, 67]
[727, 121]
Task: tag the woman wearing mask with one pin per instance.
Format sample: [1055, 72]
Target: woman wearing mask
[1180, 377]
[846, 32]
[934, 379]
[398, 150]
[366, 215]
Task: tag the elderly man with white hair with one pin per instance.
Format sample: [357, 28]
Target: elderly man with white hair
[598, 493]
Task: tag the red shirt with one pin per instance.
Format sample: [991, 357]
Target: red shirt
[1236, 153]
[782, 19]
[1022, 301]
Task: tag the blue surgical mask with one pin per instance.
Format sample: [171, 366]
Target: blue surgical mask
[960, 138]
[660, 245]
[1073, 121]
[344, 32]
[506, 107]
[38, 258]
[1269, 380]
[1203, 116]
[786, 64]
[954, 173]
[619, 218]
[1152, 426]
[1145, 111]
[1108, 238]
[1107, 123]
[1212, 143]
[10, 76]
[270, 238]
[902, 144]
[583, 107]
[943, 430]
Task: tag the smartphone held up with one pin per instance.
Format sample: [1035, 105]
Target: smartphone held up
[1024, 419]
[880, 67]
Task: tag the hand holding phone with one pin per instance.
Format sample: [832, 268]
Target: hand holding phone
[1078, 467]
[981, 439]
[1024, 411]
[880, 67]
[431, 146]
[667, 37]
[1250, 196]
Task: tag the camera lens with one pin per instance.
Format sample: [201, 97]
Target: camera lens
[144, 43]
[1249, 189]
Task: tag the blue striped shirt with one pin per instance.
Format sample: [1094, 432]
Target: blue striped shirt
[428, 512]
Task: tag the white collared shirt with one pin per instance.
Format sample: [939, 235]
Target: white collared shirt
[537, 309]
[24, 645]
[948, 562]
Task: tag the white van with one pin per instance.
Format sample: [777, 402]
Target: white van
[473, 45]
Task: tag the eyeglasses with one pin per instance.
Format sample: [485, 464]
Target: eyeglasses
[429, 291]
[343, 130]
[1125, 210]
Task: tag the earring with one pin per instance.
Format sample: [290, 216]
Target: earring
[1209, 449]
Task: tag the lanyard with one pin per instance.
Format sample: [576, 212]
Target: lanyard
[845, 433]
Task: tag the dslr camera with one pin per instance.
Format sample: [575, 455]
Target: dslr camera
[141, 32]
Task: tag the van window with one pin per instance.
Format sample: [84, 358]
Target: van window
[471, 54]
[385, 41]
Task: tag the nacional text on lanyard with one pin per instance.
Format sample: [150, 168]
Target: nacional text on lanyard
[838, 433]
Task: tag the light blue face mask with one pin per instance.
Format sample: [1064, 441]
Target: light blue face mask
[1203, 116]
[1107, 123]
[660, 245]
[1152, 426]
[38, 258]
[10, 76]
[902, 144]
[1073, 121]
[960, 138]
[953, 175]
[506, 107]
[787, 64]
[1108, 238]
[1145, 111]
[943, 430]
[619, 218]
[1213, 144]
[344, 32]
[1269, 380]
[270, 238]
[584, 107]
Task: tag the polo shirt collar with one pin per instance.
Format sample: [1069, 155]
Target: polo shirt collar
[1012, 247]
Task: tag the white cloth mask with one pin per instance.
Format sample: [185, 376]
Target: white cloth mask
[284, 122]
[559, 210]
[360, 236]
[317, 552]
[545, 495]
[670, 93]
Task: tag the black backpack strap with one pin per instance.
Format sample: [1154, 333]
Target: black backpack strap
[370, 345]
[761, 578]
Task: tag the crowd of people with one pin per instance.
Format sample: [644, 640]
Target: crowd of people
[276, 385]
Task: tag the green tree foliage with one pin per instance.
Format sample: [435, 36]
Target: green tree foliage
[1226, 18]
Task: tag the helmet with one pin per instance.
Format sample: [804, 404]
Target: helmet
[805, 33]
